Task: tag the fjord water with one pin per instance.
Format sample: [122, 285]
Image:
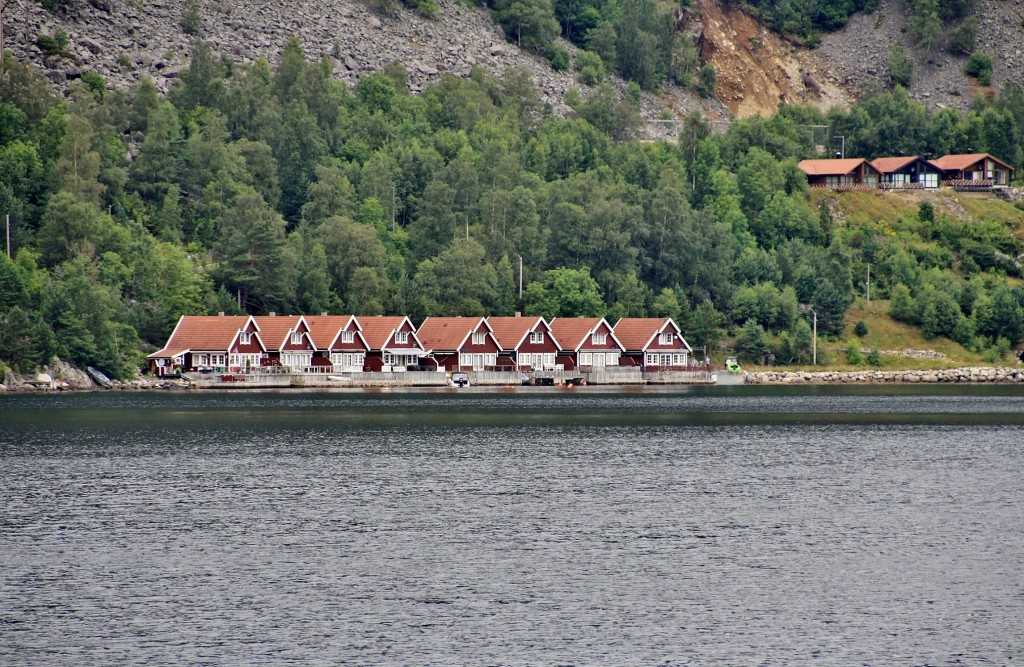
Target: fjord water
[705, 526]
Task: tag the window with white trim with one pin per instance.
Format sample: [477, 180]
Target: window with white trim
[536, 337]
[348, 336]
[245, 338]
[667, 337]
[479, 338]
[296, 338]
[212, 359]
[586, 359]
[349, 361]
[400, 360]
[402, 337]
[599, 338]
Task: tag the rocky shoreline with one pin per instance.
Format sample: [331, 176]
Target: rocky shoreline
[968, 375]
[61, 376]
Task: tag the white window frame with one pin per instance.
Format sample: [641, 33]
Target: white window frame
[479, 338]
[599, 338]
[401, 337]
[667, 337]
[296, 338]
[351, 361]
[400, 360]
[245, 338]
[244, 360]
[586, 359]
[215, 360]
[536, 337]
[348, 336]
[478, 361]
[296, 360]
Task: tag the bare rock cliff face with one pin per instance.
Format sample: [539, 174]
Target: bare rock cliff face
[125, 40]
[857, 55]
[129, 39]
[757, 69]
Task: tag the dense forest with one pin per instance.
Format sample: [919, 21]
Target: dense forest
[254, 189]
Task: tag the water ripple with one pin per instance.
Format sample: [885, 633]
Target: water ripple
[153, 530]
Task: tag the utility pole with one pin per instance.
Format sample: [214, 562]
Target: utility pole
[807, 308]
[520, 276]
[814, 339]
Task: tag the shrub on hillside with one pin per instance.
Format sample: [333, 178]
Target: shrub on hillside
[192, 18]
[590, 67]
[707, 79]
[901, 304]
[53, 45]
[874, 358]
[962, 40]
[980, 67]
[899, 68]
[559, 58]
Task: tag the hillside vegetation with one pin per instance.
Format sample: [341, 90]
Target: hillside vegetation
[722, 57]
[256, 189]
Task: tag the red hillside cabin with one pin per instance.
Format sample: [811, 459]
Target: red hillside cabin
[975, 169]
[841, 174]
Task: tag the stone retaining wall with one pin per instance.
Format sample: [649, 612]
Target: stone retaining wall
[973, 374]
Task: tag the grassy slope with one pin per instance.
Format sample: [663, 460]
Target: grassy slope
[884, 210]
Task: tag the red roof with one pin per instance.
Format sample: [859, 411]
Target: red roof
[447, 333]
[510, 332]
[832, 167]
[886, 165]
[324, 329]
[274, 329]
[572, 332]
[378, 329]
[637, 333]
[961, 162]
[204, 333]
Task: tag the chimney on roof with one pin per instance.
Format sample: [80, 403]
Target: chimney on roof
[519, 314]
[221, 313]
[324, 313]
[273, 314]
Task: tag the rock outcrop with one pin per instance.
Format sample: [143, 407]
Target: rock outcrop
[59, 375]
